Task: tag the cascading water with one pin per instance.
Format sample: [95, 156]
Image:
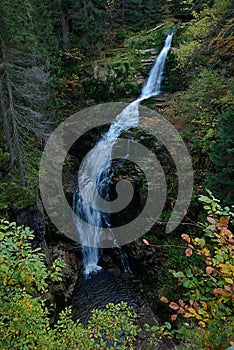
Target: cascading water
[153, 85]
[94, 174]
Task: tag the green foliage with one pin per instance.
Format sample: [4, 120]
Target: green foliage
[209, 290]
[24, 317]
[201, 65]
[203, 26]
[206, 41]
[14, 20]
[111, 78]
[110, 328]
[157, 333]
[96, 25]
[25, 84]
[221, 181]
[184, 9]
[133, 15]
[144, 40]
[200, 105]
[212, 205]
[13, 196]
[198, 109]
[89, 23]
[113, 327]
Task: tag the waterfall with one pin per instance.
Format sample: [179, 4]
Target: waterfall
[94, 174]
[153, 85]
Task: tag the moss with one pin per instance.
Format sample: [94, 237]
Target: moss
[119, 73]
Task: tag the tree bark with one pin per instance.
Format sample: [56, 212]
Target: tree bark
[6, 125]
[16, 134]
[19, 156]
[65, 30]
[6, 128]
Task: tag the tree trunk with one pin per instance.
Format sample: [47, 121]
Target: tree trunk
[65, 30]
[6, 128]
[19, 156]
[16, 134]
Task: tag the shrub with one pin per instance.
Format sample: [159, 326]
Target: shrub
[210, 291]
[24, 317]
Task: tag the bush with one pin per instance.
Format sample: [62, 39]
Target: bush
[24, 317]
[209, 293]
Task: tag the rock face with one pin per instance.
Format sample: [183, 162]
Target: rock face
[33, 217]
[151, 57]
[60, 293]
[69, 252]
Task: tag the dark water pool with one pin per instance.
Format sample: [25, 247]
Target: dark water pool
[99, 289]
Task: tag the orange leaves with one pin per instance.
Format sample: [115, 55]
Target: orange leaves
[211, 283]
[182, 303]
[204, 305]
[223, 221]
[220, 228]
[229, 288]
[209, 270]
[164, 299]
[173, 317]
[188, 252]
[186, 238]
[187, 311]
[220, 291]
[174, 306]
[198, 245]
[171, 305]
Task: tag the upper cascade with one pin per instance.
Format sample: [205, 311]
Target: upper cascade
[153, 84]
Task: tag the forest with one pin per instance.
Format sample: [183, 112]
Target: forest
[162, 290]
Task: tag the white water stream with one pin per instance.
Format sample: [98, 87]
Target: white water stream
[94, 174]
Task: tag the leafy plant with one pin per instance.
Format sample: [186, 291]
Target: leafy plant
[210, 291]
[24, 279]
[222, 158]
[24, 316]
[158, 332]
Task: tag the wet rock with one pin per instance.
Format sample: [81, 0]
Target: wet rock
[151, 51]
[71, 254]
[33, 217]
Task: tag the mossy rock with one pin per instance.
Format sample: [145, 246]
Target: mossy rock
[121, 72]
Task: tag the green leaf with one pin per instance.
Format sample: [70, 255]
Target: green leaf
[178, 274]
[189, 273]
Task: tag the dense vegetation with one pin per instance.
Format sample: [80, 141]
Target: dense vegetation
[59, 56]
[25, 315]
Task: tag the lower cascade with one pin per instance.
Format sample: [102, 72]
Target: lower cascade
[95, 176]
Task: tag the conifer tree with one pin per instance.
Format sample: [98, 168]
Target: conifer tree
[152, 11]
[89, 23]
[24, 78]
[221, 182]
[130, 14]
[60, 11]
